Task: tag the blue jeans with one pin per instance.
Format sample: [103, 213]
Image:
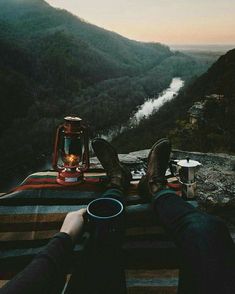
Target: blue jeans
[206, 248]
[114, 193]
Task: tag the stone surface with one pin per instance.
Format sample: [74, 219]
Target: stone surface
[141, 154]
[215, 179]
[127, 159]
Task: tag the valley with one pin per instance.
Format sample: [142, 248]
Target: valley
[53, 63]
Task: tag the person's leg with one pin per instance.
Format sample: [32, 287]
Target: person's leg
[119, 177]
[114, 193]
[106, 273]
[206, 248]
[103, 270]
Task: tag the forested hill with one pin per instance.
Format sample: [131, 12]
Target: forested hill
[220, 78]
[216, 130]
[53, 63]
[106, 53]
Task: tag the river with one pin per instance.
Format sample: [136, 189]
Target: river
[150, 106]
[154, 104]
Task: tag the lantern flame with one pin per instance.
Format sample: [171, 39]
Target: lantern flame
[71, 159]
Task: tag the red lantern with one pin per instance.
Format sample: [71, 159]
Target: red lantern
[71, 151]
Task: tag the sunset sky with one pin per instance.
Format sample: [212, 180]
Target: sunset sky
[166, 21]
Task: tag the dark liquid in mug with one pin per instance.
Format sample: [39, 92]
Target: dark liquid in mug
[105, 208]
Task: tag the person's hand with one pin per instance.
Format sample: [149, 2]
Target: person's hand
[73, 223]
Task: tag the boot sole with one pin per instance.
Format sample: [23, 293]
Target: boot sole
[143, 185]
[154, 146]
[123, 167]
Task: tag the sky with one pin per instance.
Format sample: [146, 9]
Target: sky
[165, 21]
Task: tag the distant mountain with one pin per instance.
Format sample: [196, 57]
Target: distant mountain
[53, 63]
[34, 19]
[216, 131]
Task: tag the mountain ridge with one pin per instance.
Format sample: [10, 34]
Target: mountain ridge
[70, 22]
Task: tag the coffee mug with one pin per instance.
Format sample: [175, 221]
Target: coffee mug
[105, 218]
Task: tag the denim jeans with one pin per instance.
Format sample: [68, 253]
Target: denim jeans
[114, 193]
[206, 248]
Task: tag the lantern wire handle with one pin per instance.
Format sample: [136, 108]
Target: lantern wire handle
[85, 158]
[55, 156]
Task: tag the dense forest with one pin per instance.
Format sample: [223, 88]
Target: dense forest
[216, 130]
[53, 63]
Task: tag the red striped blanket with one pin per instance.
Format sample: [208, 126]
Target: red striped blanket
[33, 212]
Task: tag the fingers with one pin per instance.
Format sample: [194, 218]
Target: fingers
[82, 211]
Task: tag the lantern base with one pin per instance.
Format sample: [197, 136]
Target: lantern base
[69, 177]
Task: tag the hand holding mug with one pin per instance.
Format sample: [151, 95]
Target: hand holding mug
[73, 223]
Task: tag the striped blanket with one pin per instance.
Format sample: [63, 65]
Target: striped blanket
[33, 212]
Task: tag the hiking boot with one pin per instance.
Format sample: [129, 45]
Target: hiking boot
[158, 159]
[119, 175]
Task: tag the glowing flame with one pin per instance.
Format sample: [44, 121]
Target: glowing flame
[71, 159]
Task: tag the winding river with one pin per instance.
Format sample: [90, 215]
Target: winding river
[153, 104]
[149, 107]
